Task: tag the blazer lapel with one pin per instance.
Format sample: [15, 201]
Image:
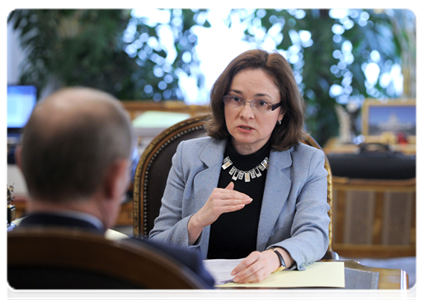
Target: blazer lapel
[278, 185]
[206, 180]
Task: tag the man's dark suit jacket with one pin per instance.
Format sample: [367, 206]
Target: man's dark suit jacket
[192, 259]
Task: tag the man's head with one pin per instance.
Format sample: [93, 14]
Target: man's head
[75, 146]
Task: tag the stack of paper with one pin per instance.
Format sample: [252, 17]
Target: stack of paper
[319, 274]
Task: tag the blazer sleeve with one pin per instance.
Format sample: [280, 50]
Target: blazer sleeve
[171, 226]
[310, 226]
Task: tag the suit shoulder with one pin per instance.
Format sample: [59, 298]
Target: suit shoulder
[304, 150]
[195, 145]
[198, 141]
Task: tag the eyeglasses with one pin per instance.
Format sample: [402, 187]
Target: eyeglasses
[257, 105]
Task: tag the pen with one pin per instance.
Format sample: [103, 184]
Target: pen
[227, 281]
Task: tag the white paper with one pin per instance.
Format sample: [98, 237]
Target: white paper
[221, 269]
[318, 274]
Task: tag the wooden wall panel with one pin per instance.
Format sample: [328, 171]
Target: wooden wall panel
[397, 218]
[359, 217]
[378, 218]
[374, 221]
[413, 222]
[338, 215]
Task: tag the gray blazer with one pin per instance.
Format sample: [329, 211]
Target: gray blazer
[294, 208]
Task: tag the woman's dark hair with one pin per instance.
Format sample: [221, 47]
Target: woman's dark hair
[290, 131]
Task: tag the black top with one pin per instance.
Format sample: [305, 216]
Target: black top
[234, 235]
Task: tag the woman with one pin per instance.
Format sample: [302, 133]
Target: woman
[251, 190]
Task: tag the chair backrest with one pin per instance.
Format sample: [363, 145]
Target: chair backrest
[156, 161]
[153, 168]
[330, 254]
[46, 258]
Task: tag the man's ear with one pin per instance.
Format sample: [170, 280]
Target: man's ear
[117, 179]
[18, 150]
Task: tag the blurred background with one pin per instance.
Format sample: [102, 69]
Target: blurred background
[339, 56]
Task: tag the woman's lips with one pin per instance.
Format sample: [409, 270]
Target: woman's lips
[245, 128]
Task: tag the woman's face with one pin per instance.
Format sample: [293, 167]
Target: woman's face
[249, 128]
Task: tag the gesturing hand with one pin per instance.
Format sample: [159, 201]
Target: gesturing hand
[220, 201]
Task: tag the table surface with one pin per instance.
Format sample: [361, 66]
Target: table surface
[392, 285]
[334, 146]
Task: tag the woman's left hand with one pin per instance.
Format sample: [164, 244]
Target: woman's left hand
[256, 267]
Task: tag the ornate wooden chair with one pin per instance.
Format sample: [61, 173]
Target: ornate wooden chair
[155, 163]
[45, 258]
[153, 168]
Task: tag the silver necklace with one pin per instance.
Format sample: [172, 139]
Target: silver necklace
[247, 175]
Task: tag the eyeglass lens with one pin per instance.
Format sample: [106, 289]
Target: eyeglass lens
[259, 105]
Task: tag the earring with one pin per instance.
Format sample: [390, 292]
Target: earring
[280, 122]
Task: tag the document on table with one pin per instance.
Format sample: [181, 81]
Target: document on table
[221, 269]
[319, 274]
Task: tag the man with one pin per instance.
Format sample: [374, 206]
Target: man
[75, 156]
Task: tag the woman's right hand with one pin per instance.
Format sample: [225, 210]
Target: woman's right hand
[220, 201]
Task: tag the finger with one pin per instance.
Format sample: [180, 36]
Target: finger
[229, 209]
[245, 263]
[218, 207]
[230, 186]
[252, 278]
[216, 203]
[231, 194]
[254, 273]
[231, 202]
[241, 266]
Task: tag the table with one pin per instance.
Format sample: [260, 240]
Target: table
[335, 146]
[392, 285]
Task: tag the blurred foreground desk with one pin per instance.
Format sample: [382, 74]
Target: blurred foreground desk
[392, 285]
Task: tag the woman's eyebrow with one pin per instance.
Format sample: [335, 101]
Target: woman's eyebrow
[235, 91]
[256, 95]
[262, 95]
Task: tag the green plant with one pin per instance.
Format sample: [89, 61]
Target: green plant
[105, 49]
[123, 53]
[75, 47]
[157, 77]
[330, 65]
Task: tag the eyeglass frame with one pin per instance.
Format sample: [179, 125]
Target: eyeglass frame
[272, 106]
